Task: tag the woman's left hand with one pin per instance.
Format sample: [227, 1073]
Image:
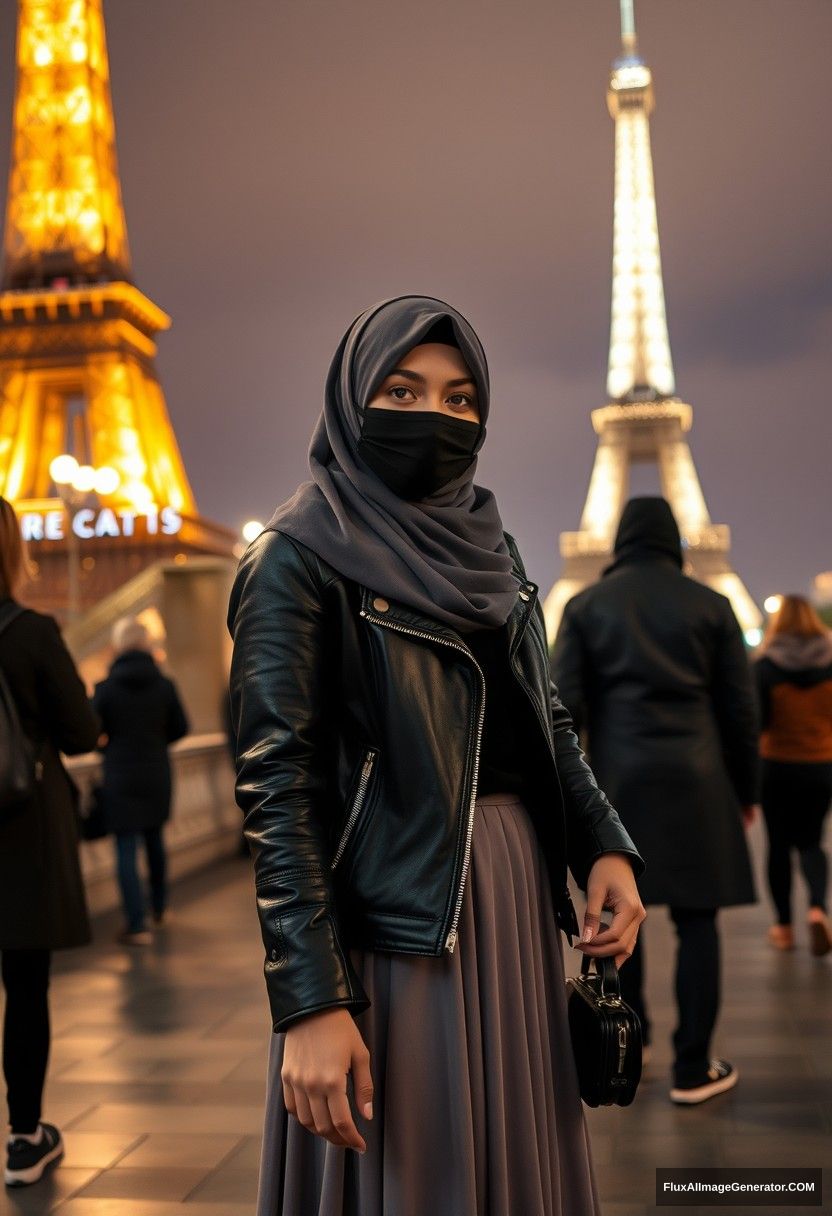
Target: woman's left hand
[611, 885]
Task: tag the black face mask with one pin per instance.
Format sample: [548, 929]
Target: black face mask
[418, 452]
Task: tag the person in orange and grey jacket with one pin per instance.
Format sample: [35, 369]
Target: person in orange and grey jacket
[794, 680]
[42, 903]
[652, 665]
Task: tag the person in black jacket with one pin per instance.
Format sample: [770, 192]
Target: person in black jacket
[42, 903]
[652, 665]
[413, 791]
[141, 715]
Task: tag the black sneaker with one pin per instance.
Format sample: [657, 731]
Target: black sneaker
[720, 1076]
[26, 1162]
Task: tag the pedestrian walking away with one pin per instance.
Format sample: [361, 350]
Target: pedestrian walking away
[794, 680]
[413, 793]
[42, 903]
[141, 715]
[653, 668]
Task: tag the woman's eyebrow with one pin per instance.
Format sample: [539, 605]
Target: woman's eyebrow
[408, 375]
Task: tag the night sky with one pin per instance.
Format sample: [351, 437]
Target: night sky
[284, 165]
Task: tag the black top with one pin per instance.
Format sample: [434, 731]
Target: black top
[501, 755]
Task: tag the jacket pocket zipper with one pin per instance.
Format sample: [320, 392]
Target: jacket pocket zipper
[357, 804]
[450, 939]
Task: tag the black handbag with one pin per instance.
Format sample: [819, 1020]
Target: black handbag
[605, 1033]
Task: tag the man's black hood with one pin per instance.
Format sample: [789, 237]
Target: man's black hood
[134, 667]
[647, 532]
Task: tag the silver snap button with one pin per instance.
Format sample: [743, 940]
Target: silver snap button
[523, 595]
[380, 604]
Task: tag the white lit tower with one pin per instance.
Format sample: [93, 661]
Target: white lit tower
[644, 421]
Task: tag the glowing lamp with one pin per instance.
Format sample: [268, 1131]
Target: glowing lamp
[62, 469]
[251, 530]
[84, 479]
[107, 480]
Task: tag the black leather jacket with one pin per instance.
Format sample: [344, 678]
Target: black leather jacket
[358, 725]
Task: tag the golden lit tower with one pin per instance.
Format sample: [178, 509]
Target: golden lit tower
[77, 337]
[644, 421]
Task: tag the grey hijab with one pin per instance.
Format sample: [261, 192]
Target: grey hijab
[444, 556]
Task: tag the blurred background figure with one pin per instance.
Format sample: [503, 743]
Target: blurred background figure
[141, 715]
[794, 679]
[42, 904]
[652, 665]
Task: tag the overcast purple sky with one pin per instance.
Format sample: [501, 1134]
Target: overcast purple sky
[286, 164]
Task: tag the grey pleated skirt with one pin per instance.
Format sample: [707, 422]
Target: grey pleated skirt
[476, 1106]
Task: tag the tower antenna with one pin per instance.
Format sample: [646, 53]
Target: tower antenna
[628, 28]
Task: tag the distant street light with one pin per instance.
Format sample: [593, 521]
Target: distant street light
[74, 483]
[772, 604]
[251, 530]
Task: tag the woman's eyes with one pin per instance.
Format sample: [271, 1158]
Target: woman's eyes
[461, 401]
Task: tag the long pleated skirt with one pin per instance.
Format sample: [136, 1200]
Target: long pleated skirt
[476, 1105]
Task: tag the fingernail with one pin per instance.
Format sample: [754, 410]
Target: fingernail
[587, 934]
[368, 1110]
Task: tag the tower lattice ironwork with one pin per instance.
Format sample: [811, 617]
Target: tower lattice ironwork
[77, 337]
[644, 421]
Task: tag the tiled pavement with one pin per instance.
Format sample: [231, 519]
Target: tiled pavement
[158, 1065]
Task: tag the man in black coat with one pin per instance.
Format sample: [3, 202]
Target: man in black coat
[141, 714]
[652, 666]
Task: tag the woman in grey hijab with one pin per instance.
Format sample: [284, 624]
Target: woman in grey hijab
[396, 731]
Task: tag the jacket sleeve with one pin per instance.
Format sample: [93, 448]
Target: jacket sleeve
[568, 668]
[278, 710]
[592, 824]
[735, 705]
[68, 716]
[178, 725]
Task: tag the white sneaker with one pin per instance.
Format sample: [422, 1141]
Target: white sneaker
[26, 1162]
[721, 1076]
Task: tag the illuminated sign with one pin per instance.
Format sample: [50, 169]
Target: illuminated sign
[91, 524]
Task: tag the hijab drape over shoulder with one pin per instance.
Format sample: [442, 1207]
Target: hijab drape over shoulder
[444, 556]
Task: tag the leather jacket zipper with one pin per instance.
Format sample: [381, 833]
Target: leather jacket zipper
[450, 939]
[357, 804]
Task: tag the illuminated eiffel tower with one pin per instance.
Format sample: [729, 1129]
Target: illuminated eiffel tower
[77, 337]
[644, 421]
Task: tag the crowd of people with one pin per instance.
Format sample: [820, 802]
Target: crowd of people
[686, 736]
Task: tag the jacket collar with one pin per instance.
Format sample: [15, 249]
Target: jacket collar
[394, 615]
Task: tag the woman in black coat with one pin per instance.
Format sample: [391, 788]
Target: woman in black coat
[42, 904]
[141, 715]
[652, 665]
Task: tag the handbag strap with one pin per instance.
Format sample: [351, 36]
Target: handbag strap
[606, 968]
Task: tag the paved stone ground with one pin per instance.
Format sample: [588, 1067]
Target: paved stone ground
[157, 1069]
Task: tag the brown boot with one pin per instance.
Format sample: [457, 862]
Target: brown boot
[781, 937]
[820, 932]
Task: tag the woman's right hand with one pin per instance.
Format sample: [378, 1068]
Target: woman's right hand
[320, 1049]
